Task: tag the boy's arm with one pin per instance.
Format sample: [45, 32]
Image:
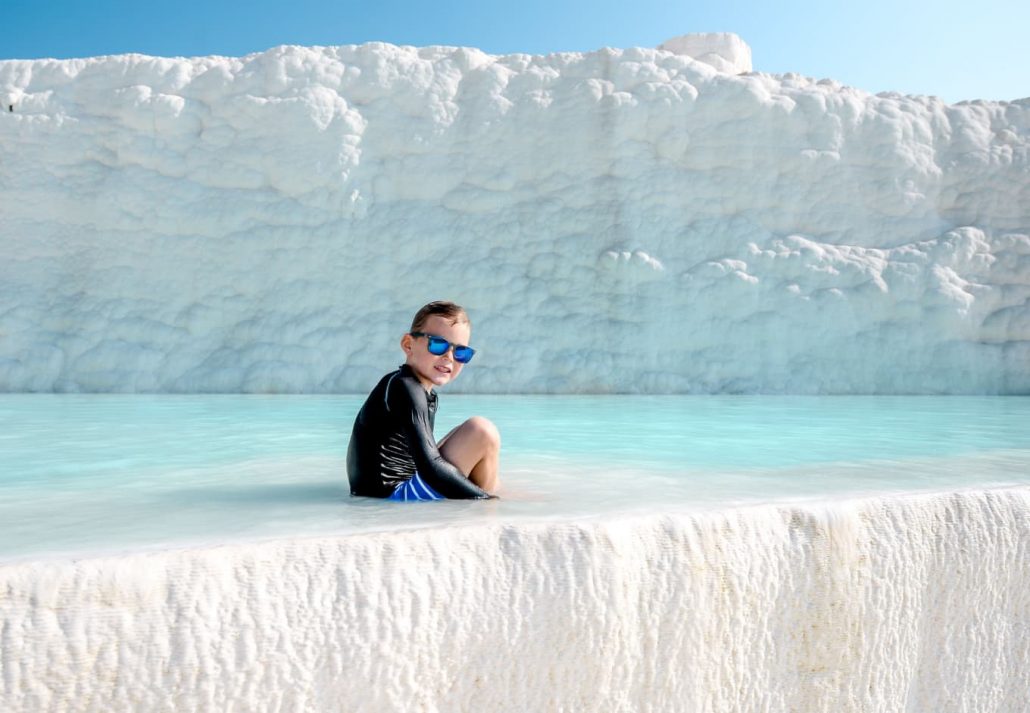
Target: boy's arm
[439, 473]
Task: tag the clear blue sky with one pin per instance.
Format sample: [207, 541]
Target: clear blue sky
[956, 50]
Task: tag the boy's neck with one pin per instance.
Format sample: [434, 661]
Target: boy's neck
[428, 388]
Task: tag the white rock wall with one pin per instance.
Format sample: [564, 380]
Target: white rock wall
[896, 604]
[622, 220]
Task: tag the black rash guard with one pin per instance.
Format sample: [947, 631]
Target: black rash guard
[393, 438]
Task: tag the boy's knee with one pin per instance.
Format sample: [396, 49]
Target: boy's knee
[486, 430]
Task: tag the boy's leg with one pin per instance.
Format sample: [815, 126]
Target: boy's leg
[474, 448]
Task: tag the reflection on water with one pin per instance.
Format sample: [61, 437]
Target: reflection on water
[96, 473]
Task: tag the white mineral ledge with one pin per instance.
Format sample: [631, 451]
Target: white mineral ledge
[723, 50]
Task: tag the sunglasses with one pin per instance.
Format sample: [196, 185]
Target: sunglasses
[438, 346]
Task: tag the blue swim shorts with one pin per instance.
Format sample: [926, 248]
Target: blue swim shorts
[415, 489]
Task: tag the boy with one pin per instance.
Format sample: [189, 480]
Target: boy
[392, 452]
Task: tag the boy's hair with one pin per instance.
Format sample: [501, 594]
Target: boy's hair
[448, 310]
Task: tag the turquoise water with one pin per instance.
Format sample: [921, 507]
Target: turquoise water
[100, 473]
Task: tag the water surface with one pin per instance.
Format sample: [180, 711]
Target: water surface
[104, 473]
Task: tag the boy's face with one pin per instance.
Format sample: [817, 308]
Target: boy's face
[430, 369]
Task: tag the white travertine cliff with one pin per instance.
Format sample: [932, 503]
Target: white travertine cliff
[641, 220]
[887, 604]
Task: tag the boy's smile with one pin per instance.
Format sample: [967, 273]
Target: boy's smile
[433, 370]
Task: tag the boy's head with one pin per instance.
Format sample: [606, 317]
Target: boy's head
[435, 323]
[448, 310]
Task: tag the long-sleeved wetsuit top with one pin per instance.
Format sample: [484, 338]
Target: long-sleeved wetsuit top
[393, 438]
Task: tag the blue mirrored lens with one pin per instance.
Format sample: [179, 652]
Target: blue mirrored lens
[463, 355]
[438, 346]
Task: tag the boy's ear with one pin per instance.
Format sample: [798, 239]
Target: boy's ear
[407, 343]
